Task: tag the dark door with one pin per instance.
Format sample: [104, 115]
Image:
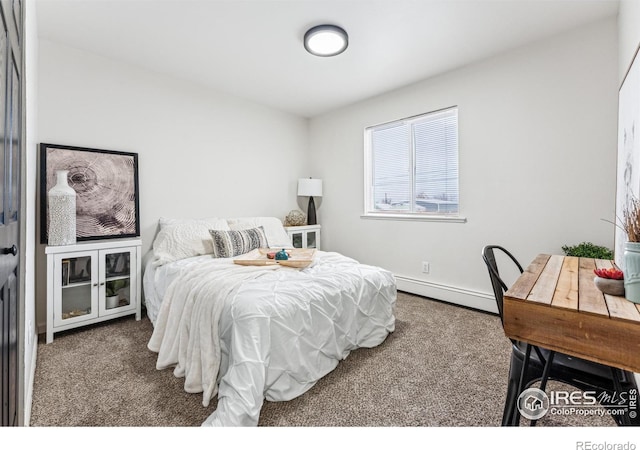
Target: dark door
[10, 150]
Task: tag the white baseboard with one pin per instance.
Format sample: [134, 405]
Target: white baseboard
[450, 294]
[28, 397]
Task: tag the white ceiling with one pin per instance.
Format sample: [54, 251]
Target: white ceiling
[253, 49]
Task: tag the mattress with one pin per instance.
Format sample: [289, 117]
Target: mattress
[255, 333]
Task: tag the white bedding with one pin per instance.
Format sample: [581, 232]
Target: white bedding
[272, 332]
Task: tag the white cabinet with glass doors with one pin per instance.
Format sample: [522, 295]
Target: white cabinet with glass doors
[92, 282]
[305, 236]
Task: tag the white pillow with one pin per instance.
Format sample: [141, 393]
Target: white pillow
[166, 221]
[276, 234]
[184, 240]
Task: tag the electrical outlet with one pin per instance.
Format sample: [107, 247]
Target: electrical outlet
[425, 267]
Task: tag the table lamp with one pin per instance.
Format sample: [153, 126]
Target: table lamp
[310, 187]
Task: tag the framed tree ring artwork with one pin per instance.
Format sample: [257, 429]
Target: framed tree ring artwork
[106, 186]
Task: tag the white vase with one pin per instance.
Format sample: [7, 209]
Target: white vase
[62, 211]
[113, 301]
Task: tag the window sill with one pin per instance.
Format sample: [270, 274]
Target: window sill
[414, 217]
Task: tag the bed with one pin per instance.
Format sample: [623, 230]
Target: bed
[250, 333]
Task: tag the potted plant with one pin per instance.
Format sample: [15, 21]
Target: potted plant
[111, 292]
[588, 250]
[631, 226]
[610, 281]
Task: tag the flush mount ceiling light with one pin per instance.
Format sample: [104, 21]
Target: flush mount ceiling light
[326, 40]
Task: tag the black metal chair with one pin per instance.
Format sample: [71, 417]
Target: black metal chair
[528, 361]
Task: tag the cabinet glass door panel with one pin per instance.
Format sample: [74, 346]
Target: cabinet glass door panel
[311, 239]
[296, 240]
[119, 281]
[117, 265]
[76, 271]
[76, 301]
[74, 285]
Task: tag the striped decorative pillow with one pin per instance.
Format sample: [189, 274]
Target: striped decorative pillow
[229, 243]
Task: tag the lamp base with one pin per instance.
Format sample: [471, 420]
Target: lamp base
[311, 212]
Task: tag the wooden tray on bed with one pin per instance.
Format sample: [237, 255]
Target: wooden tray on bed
[298, 257]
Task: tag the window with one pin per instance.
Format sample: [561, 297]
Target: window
[412, 166]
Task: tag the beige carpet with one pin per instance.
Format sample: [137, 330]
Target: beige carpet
[443, 366]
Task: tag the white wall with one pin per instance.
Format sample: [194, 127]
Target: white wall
[628, 34]
[201, 153]
[28, 213]
[537, 130]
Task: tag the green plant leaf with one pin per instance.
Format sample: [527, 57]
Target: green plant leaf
[588, 250]
[112, 287]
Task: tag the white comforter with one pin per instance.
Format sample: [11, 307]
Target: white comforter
[250, 333]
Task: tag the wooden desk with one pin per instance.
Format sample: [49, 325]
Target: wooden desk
[555, 304]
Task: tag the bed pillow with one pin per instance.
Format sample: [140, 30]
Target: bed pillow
[276, 234]
[184, 240]
[167, 221]
[227, 244]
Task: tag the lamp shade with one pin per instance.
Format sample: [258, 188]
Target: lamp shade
[309, 187]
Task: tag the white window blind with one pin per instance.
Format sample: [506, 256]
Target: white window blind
[413, 165]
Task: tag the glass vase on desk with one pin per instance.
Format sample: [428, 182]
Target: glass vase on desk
[632, 271]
